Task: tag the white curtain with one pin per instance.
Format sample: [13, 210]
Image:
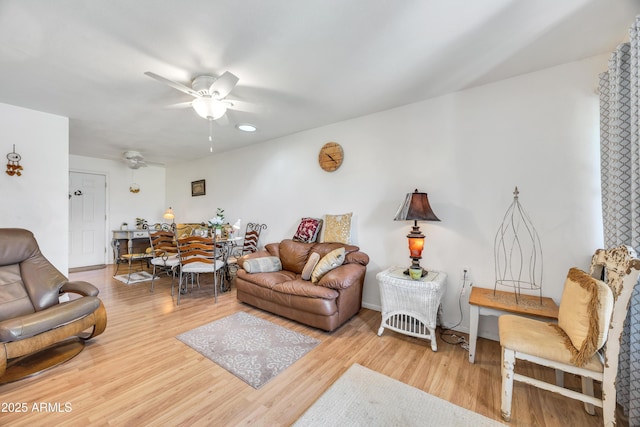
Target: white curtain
[620, 169]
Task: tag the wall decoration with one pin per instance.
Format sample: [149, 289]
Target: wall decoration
[518, 252]
[13, 165]
[330, 156]
[198, 188]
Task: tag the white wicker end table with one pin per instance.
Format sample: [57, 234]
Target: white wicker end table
[409, 306]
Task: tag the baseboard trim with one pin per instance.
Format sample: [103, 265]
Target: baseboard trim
[372, 306]
[87, 268]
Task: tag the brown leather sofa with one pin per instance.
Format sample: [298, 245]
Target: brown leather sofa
[326, 305]
[32, 318]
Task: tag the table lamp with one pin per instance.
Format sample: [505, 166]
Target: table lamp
[416, 208]
[168, 214]
[236, 226]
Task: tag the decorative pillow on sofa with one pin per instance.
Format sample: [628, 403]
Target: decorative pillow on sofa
[337, 228]
[312, 261]
[308, 230]
[333, 259]
[585, 314]
[265, 264]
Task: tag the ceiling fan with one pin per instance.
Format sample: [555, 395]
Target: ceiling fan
[209, 93]
[134, 159]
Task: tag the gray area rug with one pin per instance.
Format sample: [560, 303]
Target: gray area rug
[362, 397]
[137, 277]
[253, 349]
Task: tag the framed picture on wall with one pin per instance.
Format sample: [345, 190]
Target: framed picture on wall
[198, 188]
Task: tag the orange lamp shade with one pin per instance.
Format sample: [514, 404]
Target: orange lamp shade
[416, 244]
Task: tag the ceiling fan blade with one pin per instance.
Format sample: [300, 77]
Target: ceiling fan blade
[224, 84]
[244, 106]
[133, 155]
[180, 105]
[180, 87]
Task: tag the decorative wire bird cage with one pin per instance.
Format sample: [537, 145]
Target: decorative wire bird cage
[517, 252]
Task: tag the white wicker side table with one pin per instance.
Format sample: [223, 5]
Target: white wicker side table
[409, 306]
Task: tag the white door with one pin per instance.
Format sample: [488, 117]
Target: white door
[87, 219]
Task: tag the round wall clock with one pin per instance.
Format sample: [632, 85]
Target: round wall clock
[330, 157]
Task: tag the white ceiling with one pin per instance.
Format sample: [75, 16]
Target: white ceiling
[301, 63]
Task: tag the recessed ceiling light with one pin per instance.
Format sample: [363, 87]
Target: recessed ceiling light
[246, 127]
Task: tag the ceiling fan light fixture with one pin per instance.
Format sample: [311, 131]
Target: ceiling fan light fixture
[209, 108]
[134, 159]
[246, 127]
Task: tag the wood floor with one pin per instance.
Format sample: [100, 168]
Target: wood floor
[137, 373]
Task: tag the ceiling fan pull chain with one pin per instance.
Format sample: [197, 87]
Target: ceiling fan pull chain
[211, 135]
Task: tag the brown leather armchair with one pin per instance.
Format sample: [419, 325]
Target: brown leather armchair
[37, 331]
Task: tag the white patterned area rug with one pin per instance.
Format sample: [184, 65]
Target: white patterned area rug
[253, 349]
[362, 397]
[136, 277]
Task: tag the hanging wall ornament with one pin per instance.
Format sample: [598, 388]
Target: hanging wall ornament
[134, 188]
[13, 164]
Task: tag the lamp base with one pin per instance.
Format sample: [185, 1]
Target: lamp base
[415, 265]
[424, 272]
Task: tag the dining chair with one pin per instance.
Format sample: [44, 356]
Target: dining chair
[585, 341]
[198, 255]
[249, 244]
[129, 258]
[165, 251]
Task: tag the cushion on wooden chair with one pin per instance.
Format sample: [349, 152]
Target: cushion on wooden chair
[584, 315]
[539, 338]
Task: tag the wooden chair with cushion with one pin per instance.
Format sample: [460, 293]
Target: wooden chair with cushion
[586, 340]
[165, 251]
[198, 255]
[37, 331]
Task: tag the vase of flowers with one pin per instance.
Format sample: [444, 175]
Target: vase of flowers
[217, 221]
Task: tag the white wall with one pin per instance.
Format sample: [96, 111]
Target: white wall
[122, 205]
[30, 201]
[38, 199]
[468, 150]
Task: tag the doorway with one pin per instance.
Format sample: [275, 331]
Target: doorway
[87, 219]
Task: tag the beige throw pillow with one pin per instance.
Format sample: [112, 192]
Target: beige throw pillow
[337, 228]
[585, 314]
[333, 259]
[310, 265]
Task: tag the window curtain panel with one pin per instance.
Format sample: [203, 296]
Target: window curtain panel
[619, 90]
